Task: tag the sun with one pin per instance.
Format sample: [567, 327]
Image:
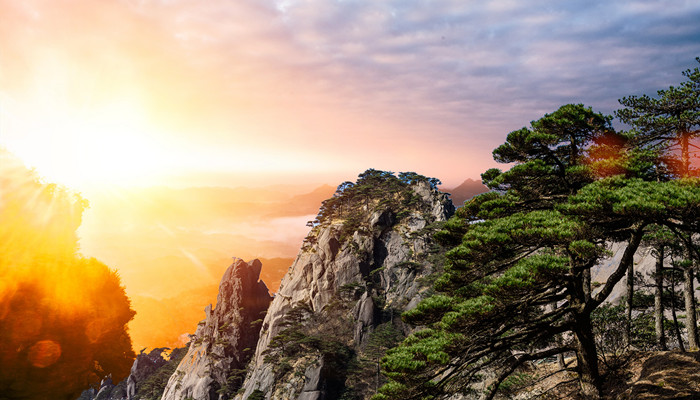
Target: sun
[104, 145]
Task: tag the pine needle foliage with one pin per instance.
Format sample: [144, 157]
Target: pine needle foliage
[373, 191]
[517, 275]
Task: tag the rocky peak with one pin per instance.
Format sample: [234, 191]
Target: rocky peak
[144, 366]
[225, 339]
[360, 266]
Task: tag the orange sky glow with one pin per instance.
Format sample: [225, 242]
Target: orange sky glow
[144, 93]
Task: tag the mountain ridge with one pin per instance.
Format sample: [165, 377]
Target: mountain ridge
[361, 274]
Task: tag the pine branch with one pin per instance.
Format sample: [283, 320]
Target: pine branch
[625, 262]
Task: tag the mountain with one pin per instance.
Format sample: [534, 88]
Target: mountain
[166, 321]
[369, 258]
[222, 345]
[466, 190]
[180, 241]
[148, 377]
[303, 204]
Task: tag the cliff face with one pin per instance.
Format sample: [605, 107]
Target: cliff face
[341, 299]
[144, 366]
[225, 339]
[106, 391]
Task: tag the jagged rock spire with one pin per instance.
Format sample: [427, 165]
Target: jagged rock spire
[225, 339]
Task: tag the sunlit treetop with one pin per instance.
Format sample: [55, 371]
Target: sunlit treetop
[63, 315]
[668, 123]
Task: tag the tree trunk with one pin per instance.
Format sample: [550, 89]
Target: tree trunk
[587, 283]
[628, 310]
[376, 387]
[658, 300]
[689, 295]
[685, 154]
[587, 358]
[677, 330]
[560, 357]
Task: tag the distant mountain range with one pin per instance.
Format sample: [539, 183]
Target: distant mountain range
[465, 191]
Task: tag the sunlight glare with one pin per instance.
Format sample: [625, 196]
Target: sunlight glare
[113, 144]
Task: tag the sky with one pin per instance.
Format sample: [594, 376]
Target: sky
[252, 92]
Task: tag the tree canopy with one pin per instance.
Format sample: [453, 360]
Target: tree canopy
[518, 269]
[63, 316]
[667, 124]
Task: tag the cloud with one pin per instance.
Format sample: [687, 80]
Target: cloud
[311, 76]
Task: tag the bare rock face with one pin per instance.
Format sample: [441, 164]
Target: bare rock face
[342, 286]
[107, 391]
[106, 387]
[145, 381]
[144, 366]
[214, 365]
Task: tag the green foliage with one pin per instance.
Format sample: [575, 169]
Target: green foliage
[384, 337]
[615, 204]
[374, 191]
[429, 310]
[256, 322]
[426, 347]
[299, 338]
[643, 331]
[548, 155]
[514, 382]
[412, 265]
[152, 388]
[609, 324]
[609, 327]
[256, 395]
[526, 246]
[234, 380]
[666, 124]
[364, 377]
[350, 369]
[352, 290]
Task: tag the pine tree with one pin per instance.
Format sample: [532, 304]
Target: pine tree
[666, 125]
[524, 247]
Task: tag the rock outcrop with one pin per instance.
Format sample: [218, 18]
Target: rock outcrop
[144, 366]
[149, 374]
[107, 391]
[224, 341]
[360, 267]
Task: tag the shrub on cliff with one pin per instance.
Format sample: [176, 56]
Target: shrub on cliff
[354, 202]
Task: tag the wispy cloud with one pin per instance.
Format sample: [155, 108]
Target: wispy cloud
[372, 78]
